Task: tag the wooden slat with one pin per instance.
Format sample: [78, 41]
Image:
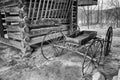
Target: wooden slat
[13, 43]
[17, 36]
[16, 19]
[34, 9]
[8, 3]
[30, 5]
[50, 11]
[40, 39]
[57, 9]
[46, 11]
[53, 10]
[38, 12]
[43, 9]
[69, 8]
[11, 9]
[65, 8]
[13, 28]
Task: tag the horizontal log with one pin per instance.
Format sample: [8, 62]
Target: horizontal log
[40, 38]
[12, 43]
[16, 36]
[11, 9]
[42, 31]
[16, 19]
[12, 24]
[13, 28]
[8, 3]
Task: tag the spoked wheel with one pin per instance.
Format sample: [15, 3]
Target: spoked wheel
[108, 41]
[92, 56]
[50, 42]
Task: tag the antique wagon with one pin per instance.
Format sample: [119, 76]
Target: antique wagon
[24, 23]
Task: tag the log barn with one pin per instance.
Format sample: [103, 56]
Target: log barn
[23, 23]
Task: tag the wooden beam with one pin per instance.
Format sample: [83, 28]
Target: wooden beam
[46, 10]
[11, 19]
[53, 10]
[69, 7]
[8, 3]
[42, 9]
[33, 14]
[57, 9]
[12, 43]
[43, 31]
[30, 5]
[38, 11]
[66, 9]
[12, 28]
[11, 9]
[40, 39]
[50, 11]
[16, 36]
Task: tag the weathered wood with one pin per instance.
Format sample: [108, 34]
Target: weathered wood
[43, 31]
[8, 3]
[40, 39]
[42, 9]
[66, 9]
[11, 19]
[11, 9]
[56, 12]
[12, 43]
[1, 27]
[16, 36]
[46, 11]
[50, 11]
[30, 5]
[13, 28]
[69, 7]
[38, 11]
[34, 9]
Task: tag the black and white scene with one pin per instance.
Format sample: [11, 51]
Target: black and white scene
[59, 39]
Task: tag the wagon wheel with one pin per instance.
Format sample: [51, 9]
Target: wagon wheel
[48, 48]
[108, 41]
[92, 56]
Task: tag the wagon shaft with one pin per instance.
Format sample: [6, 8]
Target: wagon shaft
[81, 54]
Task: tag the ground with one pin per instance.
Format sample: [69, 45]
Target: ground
[65, 67]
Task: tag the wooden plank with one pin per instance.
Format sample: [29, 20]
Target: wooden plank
[57, 9]
[69, 7]
[43, 9]
[8, 3]
[11, 9]
[46, 11]
[50, 11]
[16, 36]
[40, 39]
[53, 10]
[30, 5]
[34, 9]
[38, 11]
[12, 43]
[13, 28]
[16, 19]
[43, 31]
[64, 12]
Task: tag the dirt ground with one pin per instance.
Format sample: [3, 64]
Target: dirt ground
[65, 67]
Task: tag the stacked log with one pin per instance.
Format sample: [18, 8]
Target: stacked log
[27, 21]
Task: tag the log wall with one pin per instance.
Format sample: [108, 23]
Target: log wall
[27, 21]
